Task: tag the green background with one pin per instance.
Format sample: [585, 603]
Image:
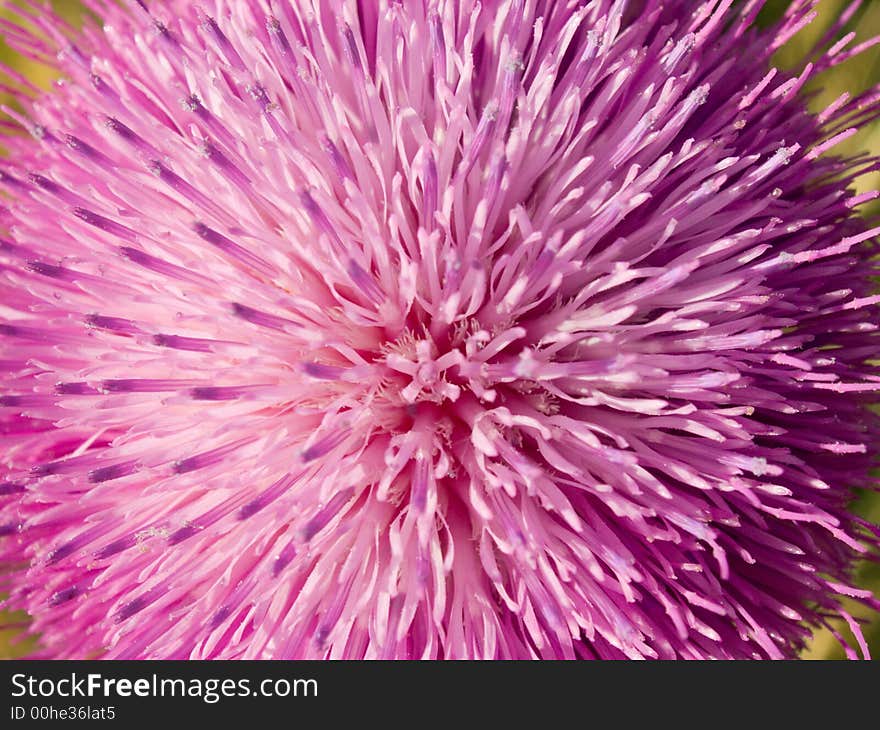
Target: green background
[854, 76]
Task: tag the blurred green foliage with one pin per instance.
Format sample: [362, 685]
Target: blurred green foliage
[854, 76]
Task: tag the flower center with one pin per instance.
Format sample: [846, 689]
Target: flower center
[420, 372]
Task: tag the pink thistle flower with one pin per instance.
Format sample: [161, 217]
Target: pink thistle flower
[535, 328]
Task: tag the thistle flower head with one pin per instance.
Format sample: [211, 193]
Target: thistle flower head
[523, 328]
